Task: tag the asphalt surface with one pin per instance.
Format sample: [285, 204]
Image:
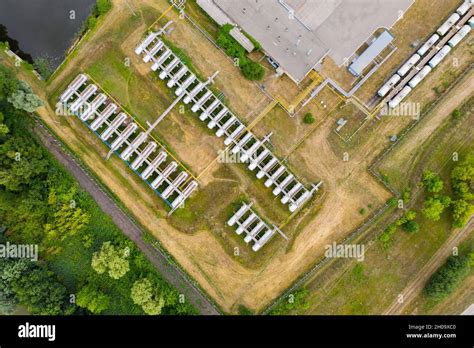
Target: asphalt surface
[167, 269]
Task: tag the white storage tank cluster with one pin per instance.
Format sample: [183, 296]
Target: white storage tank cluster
[425, 48]
[212, 111]
[255, 229]
[119, 133]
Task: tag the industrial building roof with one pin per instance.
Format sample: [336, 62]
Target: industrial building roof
[375, 48]
[299, 33]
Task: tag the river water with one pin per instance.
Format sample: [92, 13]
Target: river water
[44, 28]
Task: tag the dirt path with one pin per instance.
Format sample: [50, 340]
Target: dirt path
[170, 272]
[419, 280]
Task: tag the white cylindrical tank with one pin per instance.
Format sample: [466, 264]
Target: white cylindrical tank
[420, 76]
[443, 29]
[388, 85]
[399, 97]
[428, 44]
[439, 56]
[408, 65]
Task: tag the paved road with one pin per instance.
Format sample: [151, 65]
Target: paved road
[169, 271]
[419, 280]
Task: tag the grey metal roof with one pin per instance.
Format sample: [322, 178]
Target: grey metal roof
[375, 48]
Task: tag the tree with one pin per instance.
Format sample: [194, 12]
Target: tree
[111, 260]
[433, 207]
[103, 6]
[432, 182]
[40, 293]
[93, 299]
[461, 211]
[148, 296]
[68, 221]
[44, 67]
[21, 161]
[464, 171]
[253, 71]
[8, 83]
[308, 118]
[411, 226]
[33, 286]
[24, 98]
[445, 280]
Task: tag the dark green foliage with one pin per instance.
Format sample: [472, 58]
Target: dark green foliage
[456, 114]
[34, 287]
[44, 67]
[411, 226]
[253, 71]
[445, 280]
[308, 118]
[103, 6]
[250, 69]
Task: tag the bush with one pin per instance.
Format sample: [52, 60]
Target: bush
[392, 202]
[456, 114]
[308, 118]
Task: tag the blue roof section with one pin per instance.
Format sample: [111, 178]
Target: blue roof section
[377, 46]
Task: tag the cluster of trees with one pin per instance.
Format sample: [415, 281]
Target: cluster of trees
[101, 7]
[462, 181]
[435, 204]
[461, 203]
[406, 222]
[32, 285]
[41, 204]
[448, 277]
[250, 69]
